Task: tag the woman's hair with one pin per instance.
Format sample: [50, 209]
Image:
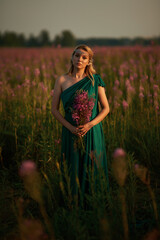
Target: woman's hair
[89, 70]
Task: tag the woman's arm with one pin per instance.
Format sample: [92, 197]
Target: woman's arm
[55, 107]
[104, 105]
[105, 110]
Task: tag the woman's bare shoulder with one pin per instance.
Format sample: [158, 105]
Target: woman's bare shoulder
[62, 77]
[59, 80]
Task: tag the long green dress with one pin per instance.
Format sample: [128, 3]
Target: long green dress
[78, 162]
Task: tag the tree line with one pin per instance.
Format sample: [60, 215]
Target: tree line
[67, 39]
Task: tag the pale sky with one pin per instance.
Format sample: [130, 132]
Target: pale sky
[84, 18]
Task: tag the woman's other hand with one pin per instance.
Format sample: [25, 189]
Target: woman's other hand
[74, 130]
[83, 129]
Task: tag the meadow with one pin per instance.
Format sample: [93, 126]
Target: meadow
[39, 206]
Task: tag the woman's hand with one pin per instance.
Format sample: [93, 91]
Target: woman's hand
[83, 129]
[74, 130]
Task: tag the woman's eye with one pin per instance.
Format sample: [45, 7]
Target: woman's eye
[77, 55]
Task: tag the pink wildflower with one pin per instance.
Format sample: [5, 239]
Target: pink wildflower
[115, 88]
[18, 86]
[131, 89]
[119, 152]
[142, 172]
[27, 69]
[127, 83]
[27, 168]
[37, 72]
[141, 88]
[151, 80]
[131, 78]
[81, 112]
[43, 66]
[22, 116]
[27, 81]
[116, 104]
[121, 73]
[119, 166]
[135, 75]
[33, 83]
[116, 83]
[51, 93]
[57, 141]
[38, 110]
[155, 87]
[82, 107]
[141, 95]
[125, 105]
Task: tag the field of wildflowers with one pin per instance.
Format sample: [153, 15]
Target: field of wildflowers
[35, 203]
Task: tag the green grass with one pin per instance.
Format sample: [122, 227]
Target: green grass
[29, 131]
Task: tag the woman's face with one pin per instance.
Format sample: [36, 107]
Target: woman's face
[80, 58]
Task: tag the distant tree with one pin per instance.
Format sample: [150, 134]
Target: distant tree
[68, 39]
[10, 39]
[156, 41]
[57, 40]
[44, 38]
[1, 39]
[21, 40]
[32, 41]
[138, 40]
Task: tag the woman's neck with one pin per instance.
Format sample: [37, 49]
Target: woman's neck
[78, 74]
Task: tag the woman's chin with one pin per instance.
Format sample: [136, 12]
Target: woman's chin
[79, 66]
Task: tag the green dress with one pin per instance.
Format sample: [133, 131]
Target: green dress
[94, 157]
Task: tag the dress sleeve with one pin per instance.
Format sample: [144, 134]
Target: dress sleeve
[100, 81]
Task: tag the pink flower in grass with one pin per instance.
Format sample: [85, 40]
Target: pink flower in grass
[116, 83]
[27, 81]
[131, 89]
[155, 87]
[22, 116]
[33, 83]
[116, 104]
[141, 88]
[127, 83]
[121, 73]
[27, 167]
[57, 141]
[18, 86]
[37, 72]
[131, 78]
[27, 69]
[141, 95]
[125, 105]
[119, 166]
[119, 152]
[155, 94]
[142, 172]
[51, 93]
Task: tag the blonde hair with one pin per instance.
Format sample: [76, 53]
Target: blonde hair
[89, 70]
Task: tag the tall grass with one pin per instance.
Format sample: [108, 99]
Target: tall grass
[30, 132]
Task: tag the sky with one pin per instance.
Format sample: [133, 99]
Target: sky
[84, 18]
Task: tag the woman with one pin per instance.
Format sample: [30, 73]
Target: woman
[81, 75]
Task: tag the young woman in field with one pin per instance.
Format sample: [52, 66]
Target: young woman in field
[81, 76]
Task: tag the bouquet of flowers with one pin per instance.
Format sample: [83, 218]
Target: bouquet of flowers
[81, 113]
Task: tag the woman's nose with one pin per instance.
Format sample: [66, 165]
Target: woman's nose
[79, 58]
